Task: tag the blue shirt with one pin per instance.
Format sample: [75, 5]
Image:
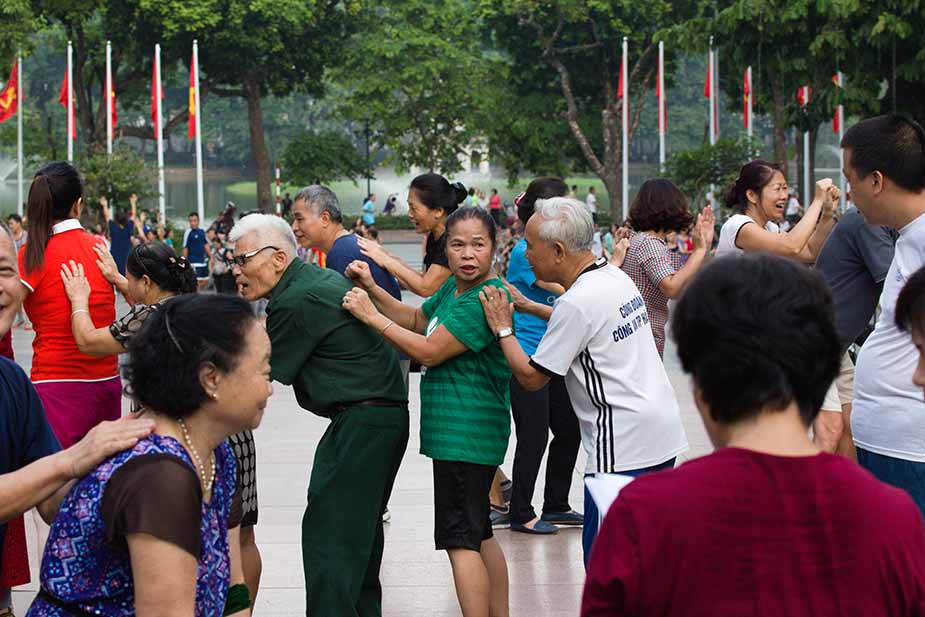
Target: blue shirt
[195, 242]
[120, 243]
[347, 249]
[25, 435]
[528, 329]
[369, 213]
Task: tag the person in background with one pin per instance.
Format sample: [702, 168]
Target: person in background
[369, 210]
[162, 237]
[768, 521]
[591, 202]
[470, 198]
[599, 340]
[391, 205]
[685, 245]
[122, 230]
[19, 235]
[884, 162]
[78, 392]
[658, 210]
[465, 386]
[496, 208]
[574, 192]
[222, 253]
[196, 250]
[431, 199]
[287, 205]
[200, 367]
[794, 211]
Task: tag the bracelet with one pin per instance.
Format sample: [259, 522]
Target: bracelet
[80, 311]
[387, 326]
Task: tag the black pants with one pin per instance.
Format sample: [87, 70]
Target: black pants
[535, 414]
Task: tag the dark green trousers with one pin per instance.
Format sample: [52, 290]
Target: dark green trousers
[355, 467]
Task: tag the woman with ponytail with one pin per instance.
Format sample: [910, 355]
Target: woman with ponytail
[153, 274]
[431, 199]
[759, 196]
[77, 391]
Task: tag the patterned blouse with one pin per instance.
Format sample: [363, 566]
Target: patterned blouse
[86, 571]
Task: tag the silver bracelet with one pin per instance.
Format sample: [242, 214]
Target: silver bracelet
[80, 311]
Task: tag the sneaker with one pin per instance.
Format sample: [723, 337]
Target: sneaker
[500, 517]
[507, 487]
[541, 528]
[569, 519]
[386, 516]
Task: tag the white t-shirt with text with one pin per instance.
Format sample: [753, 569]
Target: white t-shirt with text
[600, 340]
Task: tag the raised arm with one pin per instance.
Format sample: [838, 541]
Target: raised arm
[408, 317]
[754, 238]
[104, 204]
[702, 236]
[90, 340]
[424, 285]
[110, 271]
[499, 315]
[825, 226]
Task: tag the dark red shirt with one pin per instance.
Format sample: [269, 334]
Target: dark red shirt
[744, 533]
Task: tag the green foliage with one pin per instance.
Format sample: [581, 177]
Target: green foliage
[116, 177]
[319, 158]
[694, 170]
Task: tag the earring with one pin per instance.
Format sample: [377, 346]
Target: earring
[214, 396]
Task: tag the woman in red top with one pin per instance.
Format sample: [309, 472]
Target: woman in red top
[78, 391]
[768, 524]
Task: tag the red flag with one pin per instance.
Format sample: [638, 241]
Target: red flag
[836, 121]
[803, 95]
[9, 98]
[746, 92]
[115, 115]
[155, 100]
[707, 86]
[662, 108]
[62, 98]
[191, 129]
[622, 90]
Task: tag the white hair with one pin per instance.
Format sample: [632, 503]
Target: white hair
[270, 231]
[565, 220]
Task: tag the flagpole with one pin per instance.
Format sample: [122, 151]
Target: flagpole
[806, 191]
[109, 98]
[712, 84]
[842, 181]
[279, 210]
[200, 194]
[19, 154]
[162, 192]
[70, 103]
[751, 88]
[662, 124]
[626, 116]
[715, 78]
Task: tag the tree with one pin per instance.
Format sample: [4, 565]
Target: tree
[696, 169]
[421, 79]
[320, 158]
[580, 42]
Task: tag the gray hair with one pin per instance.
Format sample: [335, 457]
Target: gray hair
[566, 220]
[320, 199]
[271, 230]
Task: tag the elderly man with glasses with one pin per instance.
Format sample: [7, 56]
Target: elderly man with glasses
[342, 370]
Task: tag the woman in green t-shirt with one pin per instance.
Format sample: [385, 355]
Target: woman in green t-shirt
[465, 418]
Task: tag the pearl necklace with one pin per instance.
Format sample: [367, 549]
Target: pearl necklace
[202, 470]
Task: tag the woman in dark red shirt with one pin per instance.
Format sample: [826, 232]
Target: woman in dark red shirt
[768, 524]
[78, 391]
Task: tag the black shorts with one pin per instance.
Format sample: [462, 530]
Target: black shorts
[461, 504]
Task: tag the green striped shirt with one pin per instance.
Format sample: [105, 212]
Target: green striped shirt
[465, 402]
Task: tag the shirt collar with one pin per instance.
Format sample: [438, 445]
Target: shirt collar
[65, 225]
[286, 280]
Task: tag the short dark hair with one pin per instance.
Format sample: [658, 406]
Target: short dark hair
[176, 341]
[466, 214]
[910, 305]
[660, 206]
[436, 192]
[756, 332]
[892, 144]
[14, 217]
[192, 214]
[162, 265]
[544, 187]
[754, 176]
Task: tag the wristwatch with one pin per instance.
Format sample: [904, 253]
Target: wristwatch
[504, 332]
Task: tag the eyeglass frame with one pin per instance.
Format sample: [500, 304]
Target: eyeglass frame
[241, 260]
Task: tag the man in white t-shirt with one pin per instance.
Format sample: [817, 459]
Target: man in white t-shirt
[599, 339]
[885, 164]
[591, 202]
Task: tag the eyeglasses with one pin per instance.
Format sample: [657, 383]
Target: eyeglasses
[240, 260]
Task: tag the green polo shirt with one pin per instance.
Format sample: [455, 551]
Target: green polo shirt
[465, 401]
[321, 350]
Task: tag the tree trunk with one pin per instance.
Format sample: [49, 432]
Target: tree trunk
[613, 185]
[261, 156]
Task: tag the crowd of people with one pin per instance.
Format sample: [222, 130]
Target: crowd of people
[811, 504]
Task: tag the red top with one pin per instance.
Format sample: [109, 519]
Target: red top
[55, 353]
[495, 202]
[744, 533]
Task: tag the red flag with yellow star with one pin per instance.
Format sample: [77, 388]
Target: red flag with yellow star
[9, 98]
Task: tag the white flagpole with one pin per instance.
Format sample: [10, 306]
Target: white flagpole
[806, 188]
[279, 210]
[108, 98]
[662, 128]
[200, 194]
[70, 102]
[162, 192]
[19, 156]
[712, 72]
[751, 94]
[714, 77]
[626, 134]
[842, 181]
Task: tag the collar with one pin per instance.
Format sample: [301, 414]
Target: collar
[600, 262]
[286, 280]
[65, 225]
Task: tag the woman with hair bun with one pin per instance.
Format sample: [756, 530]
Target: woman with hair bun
[77, 391]
[760, 196]
[431, 199]
[153, 274]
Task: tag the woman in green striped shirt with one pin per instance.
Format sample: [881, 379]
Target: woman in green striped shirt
[465, 417]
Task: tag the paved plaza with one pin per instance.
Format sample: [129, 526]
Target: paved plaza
[546, 572]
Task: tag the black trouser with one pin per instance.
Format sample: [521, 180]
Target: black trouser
[535, 414]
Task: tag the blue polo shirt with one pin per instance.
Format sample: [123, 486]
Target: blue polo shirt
[347, 249]
[195, 241]
[528, 329]
[25, 435]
